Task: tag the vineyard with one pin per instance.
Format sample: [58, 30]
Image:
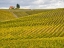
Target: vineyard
[6, 15]
[32, 29]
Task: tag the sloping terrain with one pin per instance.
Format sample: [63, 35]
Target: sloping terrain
[6, 15]
[42, 30]
[22, 13]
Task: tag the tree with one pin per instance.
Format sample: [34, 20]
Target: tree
[17, 6]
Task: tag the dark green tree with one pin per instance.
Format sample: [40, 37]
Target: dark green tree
[17, 6]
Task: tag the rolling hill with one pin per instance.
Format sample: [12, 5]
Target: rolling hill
[42, 29]
[6, 15]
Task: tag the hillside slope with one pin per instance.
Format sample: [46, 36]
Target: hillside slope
[6, 15]
[51, 21]
[42, 30]
[22, 13]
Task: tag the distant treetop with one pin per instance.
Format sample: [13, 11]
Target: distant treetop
[17, 6]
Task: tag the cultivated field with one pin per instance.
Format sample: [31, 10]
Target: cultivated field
[32, 28]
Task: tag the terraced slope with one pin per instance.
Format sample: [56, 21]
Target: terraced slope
[6, 15]
[21, 13]
[42, 30]
[39, 23]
